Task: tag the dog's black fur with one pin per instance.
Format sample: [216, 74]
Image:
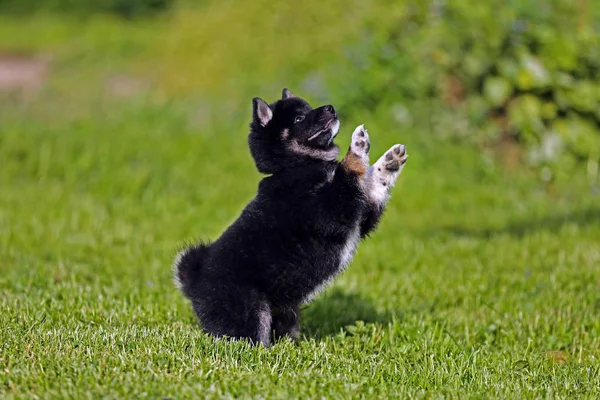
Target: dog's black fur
[299, 232]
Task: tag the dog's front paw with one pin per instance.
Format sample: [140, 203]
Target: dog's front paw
[361, 145]
[385, 172]
[357, 160]
[395, 158]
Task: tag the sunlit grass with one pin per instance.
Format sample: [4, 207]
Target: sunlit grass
[478, 283]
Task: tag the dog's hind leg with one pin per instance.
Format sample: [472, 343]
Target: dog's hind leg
[235, 313]
[286, 322]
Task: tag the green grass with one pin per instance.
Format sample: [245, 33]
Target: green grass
[478, 284]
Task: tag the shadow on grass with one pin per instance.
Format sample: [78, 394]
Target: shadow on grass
[553, 223]
[334, 310]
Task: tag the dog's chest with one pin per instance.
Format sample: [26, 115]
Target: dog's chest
[345, 257]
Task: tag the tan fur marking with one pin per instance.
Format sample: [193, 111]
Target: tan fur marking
[354, 164]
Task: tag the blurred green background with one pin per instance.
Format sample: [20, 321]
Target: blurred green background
[522, 71]
[123, 134]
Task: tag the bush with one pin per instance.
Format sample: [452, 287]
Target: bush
[125, 8]
[528, 70]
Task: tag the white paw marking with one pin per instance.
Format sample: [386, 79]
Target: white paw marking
[264, 324]
[360, 143]
[385, 172]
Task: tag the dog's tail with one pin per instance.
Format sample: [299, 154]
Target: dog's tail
[188, 266]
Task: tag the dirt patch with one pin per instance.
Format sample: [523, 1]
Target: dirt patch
[126, 86]
[23, 73]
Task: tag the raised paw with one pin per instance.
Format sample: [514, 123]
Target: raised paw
[385, 171]
[395, 157]
[357, 159]
[360, 143]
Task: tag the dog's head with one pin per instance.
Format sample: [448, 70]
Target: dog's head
[290, 132]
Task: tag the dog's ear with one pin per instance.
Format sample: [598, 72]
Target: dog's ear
[261, 111]
[287, 93]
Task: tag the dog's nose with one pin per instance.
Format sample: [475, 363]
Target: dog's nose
[331, 110]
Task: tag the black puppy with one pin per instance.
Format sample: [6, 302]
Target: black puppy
[299, 232]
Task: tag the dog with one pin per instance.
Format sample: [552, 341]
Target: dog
[299, 232]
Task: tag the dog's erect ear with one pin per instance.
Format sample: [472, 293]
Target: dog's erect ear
[287, 93]
[261, 111]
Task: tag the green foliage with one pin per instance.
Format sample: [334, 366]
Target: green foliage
[125, 8]
[534, 63]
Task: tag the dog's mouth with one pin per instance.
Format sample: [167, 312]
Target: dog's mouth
[325, 136]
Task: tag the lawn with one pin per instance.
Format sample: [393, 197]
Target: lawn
[480, 282]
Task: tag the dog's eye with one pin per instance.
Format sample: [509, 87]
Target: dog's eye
[299, 118]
